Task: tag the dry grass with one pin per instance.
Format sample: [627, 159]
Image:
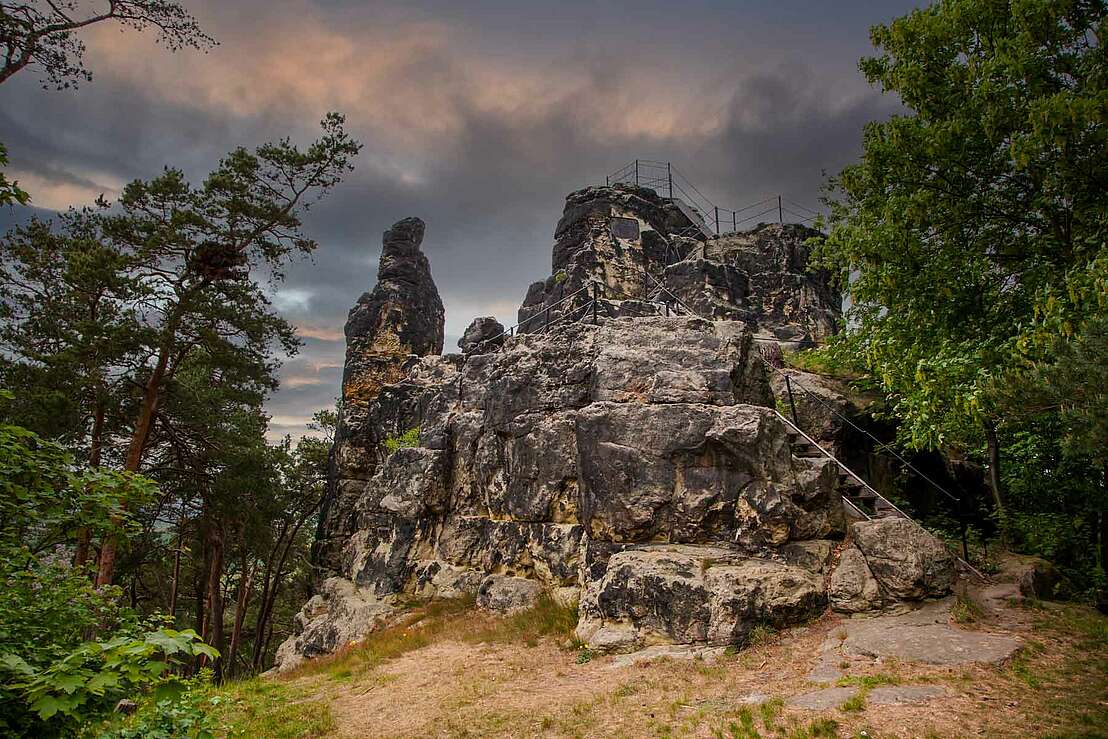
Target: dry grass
[449, 670]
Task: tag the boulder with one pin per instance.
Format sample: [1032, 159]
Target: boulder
[907, 562]
[339, 613]
[482, 335]
[692, 595]
[852, 588]
[821, 403]
[507, 594]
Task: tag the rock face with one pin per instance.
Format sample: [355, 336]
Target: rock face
[892, 560]
[692, 594]
[400, 320]
[622, 457]
[625, 244]
[483, 334]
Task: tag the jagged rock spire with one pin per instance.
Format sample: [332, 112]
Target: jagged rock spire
[401, 316]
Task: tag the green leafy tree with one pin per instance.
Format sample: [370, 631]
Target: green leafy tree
[118, 300]
[973, 229]
[10, 192]
[43, 34]
[51, 678]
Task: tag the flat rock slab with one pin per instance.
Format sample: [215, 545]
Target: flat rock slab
[891, 695]
[667, 651]
[924, 635]
[821, 700]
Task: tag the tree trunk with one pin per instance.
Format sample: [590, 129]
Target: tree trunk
[176, 572]
[995, 484]
[246, 581]
[263, 606]
[145, 421]
[215, 596]
[84, 538]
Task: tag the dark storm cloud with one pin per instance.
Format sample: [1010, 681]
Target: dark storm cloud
[478, 117]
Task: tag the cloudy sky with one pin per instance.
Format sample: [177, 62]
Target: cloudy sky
[478, 116]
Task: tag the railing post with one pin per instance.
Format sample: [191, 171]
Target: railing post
[792, 402]
[780, 212]
[717, 219]
[636, 172]
[606, 182]
[962, 525]
[734, 223]
[546, 328]
[594, 298]
[669, 178]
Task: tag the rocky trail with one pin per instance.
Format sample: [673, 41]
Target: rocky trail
[913, 674]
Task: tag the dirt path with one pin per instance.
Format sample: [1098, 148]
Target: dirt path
[1043, 671]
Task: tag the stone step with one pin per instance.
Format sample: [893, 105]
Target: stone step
[806, 449]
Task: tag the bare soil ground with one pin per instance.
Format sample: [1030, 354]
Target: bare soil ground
[462, 678]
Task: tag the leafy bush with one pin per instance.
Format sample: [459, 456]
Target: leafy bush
[189, 714]
[89, 680]
[406, 440]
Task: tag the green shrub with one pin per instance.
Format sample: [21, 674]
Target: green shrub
[406, 440]
[86, 683]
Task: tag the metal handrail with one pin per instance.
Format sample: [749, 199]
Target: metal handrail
[665, 177]
[864, 484]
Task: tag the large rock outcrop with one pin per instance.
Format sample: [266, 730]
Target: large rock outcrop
[387, 330]
[628, 457]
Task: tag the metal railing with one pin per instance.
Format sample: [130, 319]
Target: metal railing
[669, 182]
[652, 290]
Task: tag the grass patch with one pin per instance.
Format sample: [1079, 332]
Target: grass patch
[415, 630]
[966, 610]
[260, 707]
[855, 704]
[770, 711]
[760, 635]
[820, 362]
[431, 621]
[546, 618]
[868, 682]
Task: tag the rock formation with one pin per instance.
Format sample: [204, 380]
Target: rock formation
[628, 456]
[483, 334]
[388, 328]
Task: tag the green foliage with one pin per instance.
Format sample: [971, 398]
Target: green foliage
[966, 610]
[188, 715]
[89, 680]
[42, 500]
[406, 440]
[975, 225]
[10, 192]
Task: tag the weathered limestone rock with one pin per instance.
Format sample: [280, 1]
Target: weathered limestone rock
[607, 236]
[482, 335]
[403, 315]
[339, 613]
[627, 456]
[924, 635]
[787, 301]
[821, 403]
[853, 588]
[907, 562]
[388, 330]
[508, 594]
[692, 594]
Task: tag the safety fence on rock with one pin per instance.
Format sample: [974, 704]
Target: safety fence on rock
[708, 218]
[654, 291]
